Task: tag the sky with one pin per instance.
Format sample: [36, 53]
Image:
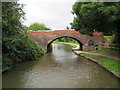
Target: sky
[55, 14]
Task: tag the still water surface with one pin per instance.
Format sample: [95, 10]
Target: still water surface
[60, 68]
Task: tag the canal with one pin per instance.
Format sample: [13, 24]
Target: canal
[60, 68]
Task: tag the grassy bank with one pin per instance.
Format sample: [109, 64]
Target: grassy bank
[102, 50]
[109, 52]
[68, 43]
[110, 64]
[105, 51]
[108, 36]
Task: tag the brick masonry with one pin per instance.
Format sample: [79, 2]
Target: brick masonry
[45, 38]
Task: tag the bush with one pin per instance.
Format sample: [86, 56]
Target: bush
[19, 48]
[115, 39]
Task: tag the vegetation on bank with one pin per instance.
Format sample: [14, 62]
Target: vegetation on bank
[108, 63]
[16, 44]
[67, 39]
[113, 39]
[108, 37]
[106, 51]
[68, 43]
[16, 50]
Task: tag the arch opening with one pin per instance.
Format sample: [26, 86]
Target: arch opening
[49, 48]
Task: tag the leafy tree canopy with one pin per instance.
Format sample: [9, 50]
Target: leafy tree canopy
[12, 15]
[98, 16]
[38, 26]
[17, 46]
[24, 27]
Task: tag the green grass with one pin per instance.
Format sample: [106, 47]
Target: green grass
[102, 50]
[110, 64]
[71, 44]
[106, 51]
[108, 36]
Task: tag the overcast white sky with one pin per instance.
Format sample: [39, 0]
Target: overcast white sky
[55, 14]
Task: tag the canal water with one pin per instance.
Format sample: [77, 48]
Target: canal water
[60, 68]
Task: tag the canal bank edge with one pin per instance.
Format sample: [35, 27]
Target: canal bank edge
[95, 61]
[91, 59]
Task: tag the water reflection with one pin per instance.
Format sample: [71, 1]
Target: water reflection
[60, 68]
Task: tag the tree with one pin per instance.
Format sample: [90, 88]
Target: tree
[24, 27]
[38, 26]
[17, 46]
[98, 16]
[12, 15]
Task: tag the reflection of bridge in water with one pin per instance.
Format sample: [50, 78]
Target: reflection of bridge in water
[86, 42]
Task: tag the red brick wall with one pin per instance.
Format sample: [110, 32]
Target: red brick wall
[46, 37]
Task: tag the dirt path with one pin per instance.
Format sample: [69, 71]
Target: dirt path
[101, 54]
[116, 57]
[106, 55]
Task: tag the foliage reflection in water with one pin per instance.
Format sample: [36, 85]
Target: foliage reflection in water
[60, 68]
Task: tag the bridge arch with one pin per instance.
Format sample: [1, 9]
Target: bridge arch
[51, 41]
[86, 42]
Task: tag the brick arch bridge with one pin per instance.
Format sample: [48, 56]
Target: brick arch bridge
[86, 42]
[70, 36]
